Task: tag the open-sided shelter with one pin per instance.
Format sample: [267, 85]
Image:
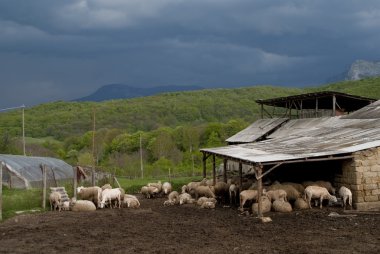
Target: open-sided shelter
[26, 171]
[342, 149]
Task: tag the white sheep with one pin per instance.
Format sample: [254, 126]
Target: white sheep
[167, 188]
[131, 201]
[204, 191]
[266, 205]
[208, 204]
[203, 200]
[106, 186]
[281, 206]
[93, 194]
[66, 206]
[279, 194]
[184, 189]
[291, 193]
[233, 191]
[318, 192]
[185, 198]
[300, 204]
[149, 191]
[108, 195]
[82, 205]
[158, 185]
[346, 195]
[324, 184]
[173, 198]
[246, 195]
[55, 201]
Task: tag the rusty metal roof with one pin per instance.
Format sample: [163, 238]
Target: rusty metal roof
[257, 130]
[311, 138]
[345, 101]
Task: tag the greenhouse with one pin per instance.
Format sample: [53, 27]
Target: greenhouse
[26, 172]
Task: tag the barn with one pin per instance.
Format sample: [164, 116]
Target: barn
[341, 148]
[26, 171]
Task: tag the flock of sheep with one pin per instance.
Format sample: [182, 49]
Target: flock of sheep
[279, 197]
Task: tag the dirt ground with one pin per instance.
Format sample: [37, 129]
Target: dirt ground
[188, 229]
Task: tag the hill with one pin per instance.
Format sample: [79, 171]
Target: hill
[120, 91]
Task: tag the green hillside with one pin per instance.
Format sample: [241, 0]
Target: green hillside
[172, 126]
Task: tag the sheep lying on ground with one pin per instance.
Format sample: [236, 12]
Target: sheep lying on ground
[55, 201]
[166, 188]
[300, 204]
[276, 195]
[208, 204]
[149, 191]
[108, 195]
[266, 205]
[173, 198]
[82, 205]
[291, 193]
[184, 189]
[281, 206]
[204, 191]
[233, 192]
[346, 195]
[297, 186]
[131, 201]
[318, 192]
[246, 195]
[203, 200]
[158, 185]
[90, 193]
[185, 198]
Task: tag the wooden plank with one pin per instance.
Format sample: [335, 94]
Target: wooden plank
[44, 186]
[259, 190]
[213, 169]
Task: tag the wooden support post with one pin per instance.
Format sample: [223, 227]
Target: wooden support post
[43, 186]
[204, 165]
[259, 190]
[213, 169]
[240, 176]
[93, 176]
[225, 161]
[75, 181]
[262, 111]
[1, 190]
[333, 106]
[316, 107]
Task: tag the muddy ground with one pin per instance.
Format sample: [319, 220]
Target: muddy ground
[188, 229]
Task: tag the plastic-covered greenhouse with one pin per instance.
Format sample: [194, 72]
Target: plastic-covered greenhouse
[26, 172]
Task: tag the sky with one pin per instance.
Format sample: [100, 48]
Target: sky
[63, 50]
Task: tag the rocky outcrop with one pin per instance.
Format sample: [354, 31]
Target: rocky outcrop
[363, 69]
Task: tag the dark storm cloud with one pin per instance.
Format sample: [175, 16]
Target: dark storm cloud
[55, 50]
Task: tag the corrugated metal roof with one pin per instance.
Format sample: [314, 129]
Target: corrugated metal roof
[310, 138]
[256, 130]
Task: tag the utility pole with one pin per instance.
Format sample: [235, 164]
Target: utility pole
[141, 160]
[93, 149]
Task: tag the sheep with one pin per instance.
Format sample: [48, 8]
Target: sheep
[324, 184]
[106, 186]
[66, 206]
[173, 198]
[297, 186]
[276, 195]
[221, 191]
[246, 195]
[111, 194]
[167, 188]
[191, 187]
[281, 206]
[300, 204]
[184, 189]
[266, 205]
[149, 191]
[208, 204]
[291, 193]
[204, 191]
[346, 195]
[185, 198]
[131, 201]
[90, 193]
[233, 192]
[318, 192]
[202, 200]
[82, 205]
[158, 185]
[55, 201]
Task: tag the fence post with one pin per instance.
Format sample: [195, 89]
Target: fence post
[44, 187]
[1, 190]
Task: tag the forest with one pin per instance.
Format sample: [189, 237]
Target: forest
[163, 132]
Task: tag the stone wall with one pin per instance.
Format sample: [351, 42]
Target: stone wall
[362, 176]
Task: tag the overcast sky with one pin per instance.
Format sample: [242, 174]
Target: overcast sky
[61, 50]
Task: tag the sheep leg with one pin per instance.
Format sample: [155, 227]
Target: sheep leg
[320, 200]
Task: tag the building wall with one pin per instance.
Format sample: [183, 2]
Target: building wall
[362, 176]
